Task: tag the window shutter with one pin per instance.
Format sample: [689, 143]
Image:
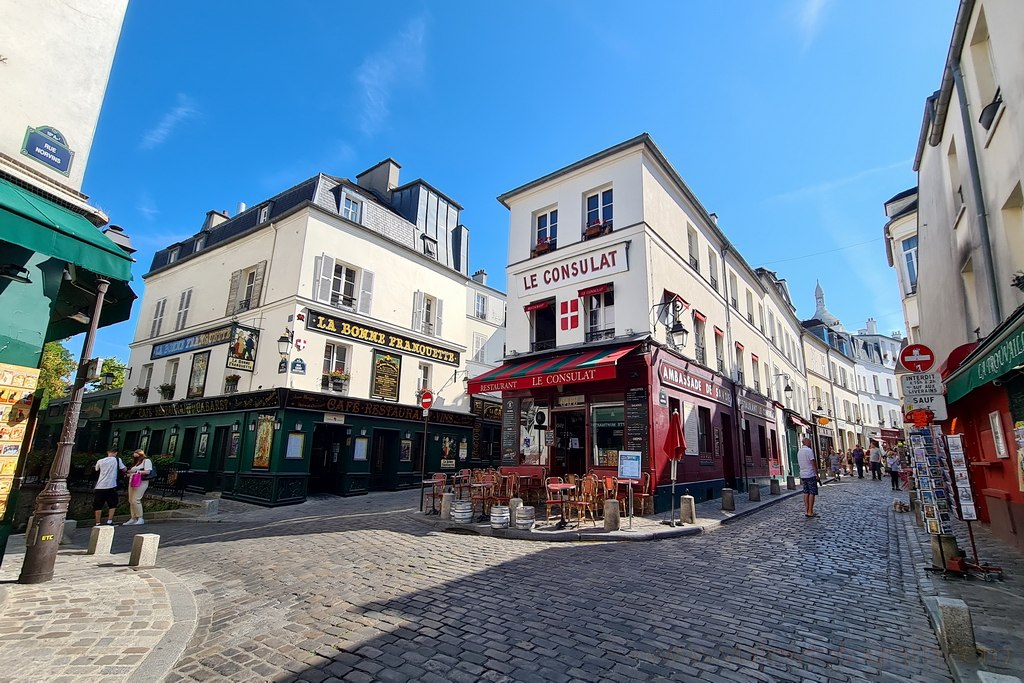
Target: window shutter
[690, 416]
[439, 318]
[324, 276]
[417, 311]
[366, 292]
[236, 279]
[257, 284]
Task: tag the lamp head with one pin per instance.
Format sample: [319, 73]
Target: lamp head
[284, 342]
[678, 333]
[788, 391]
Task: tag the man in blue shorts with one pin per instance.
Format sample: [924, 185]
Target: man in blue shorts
[808, 476]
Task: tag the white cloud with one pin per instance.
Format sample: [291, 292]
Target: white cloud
[827, 186]
[401, 60]
[185, 109]
[147, 207]
[808, 19]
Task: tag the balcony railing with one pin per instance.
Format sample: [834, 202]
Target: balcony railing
[598, 335]
[721, 365]
[702, 355]
[694, 263]
[542, 345]
[243, 306]
[342, 301]
[714, 282]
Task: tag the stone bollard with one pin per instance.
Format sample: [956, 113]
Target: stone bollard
[728, 500]
[446, 505]
[144, 547]
[957, 629]
[68, 534]
[100, 540]
[754, 493]
[915, 505]
[687, 510]
[513, 507]
[943, 546]
[775, 488]
[790, 483]
[612, 521]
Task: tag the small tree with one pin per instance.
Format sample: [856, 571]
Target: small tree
[56, 368]
[112, 365]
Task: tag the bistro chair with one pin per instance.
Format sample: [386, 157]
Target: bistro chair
[611, 492]
[585, 500]
[644, 496]
[437, 489]
[553, 499]
[483, 493]
[507, 489]
[461, 484]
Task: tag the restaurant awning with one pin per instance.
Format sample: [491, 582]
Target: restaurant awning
[573, 368]
[1001, 352]
[30, 221]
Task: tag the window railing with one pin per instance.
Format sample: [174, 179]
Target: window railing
[342, 301]
[596, 229]
[757, 386]
[542, 345]
[739, 376]
[427, 327]
[243, 305]
[702, 355]
[598, 335]
[694, 263]
[750, 318]
[714, 282]
[735, 304]
[721, 365]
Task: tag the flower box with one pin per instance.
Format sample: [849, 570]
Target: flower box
[167, 391]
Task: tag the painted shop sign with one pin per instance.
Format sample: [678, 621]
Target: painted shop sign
[386, 375]
[261, 400]
[201, 340]
[339, 327]
[552, 379]
[353, 406]
[47, 146]
[752, 407]
[488, 410]
[681, 379]
[594, 264]
[242, 351]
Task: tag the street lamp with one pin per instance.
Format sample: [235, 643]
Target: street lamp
[787, 390]
[677, 332]
[284, 347]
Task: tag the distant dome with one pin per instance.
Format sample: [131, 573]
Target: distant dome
[822, 313]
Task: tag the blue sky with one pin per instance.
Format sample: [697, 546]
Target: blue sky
[794, 120]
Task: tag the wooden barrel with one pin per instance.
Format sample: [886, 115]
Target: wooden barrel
[499, 516]
[462, 511]
[525, 517]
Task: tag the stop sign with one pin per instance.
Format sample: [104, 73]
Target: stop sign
[917, 358]
[426, 399]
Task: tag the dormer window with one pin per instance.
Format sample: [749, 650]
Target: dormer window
[351, 209]
[200, 243]
[264, 214]
[172, 256]
[429, 246]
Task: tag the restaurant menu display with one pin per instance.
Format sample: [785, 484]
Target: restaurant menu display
[17, 389]
[510, 432]
[933, 480]
[958, 465]
[638, 416]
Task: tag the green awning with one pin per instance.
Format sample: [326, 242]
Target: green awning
[1000, 353]
[38, 224]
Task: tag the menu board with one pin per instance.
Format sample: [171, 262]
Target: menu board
[510, 432]
[933, 479]
[638, 415]
[17, 389]
[386, 375]
[965, 508]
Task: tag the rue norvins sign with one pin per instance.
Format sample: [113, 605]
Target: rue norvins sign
[339, 327]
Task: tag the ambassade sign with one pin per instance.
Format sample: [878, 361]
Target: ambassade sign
[591, 265]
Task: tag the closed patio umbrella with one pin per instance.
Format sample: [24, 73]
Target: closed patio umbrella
[676, 447]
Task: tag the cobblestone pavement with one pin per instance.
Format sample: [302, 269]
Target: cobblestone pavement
[353, 589]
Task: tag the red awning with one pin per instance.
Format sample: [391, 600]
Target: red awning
[739, 346]
[539, 305]
[697, 315]
[718, 332]
[551, 371]
[753, 358]
[595, 290]
[956, 358]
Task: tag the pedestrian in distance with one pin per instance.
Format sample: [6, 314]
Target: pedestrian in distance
[833, 461]
[858, 460]
[139, 474]
[895, 468]
[808, 476]
[105, 492]
[875, 457]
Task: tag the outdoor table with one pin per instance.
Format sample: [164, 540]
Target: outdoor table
[483, 517]
[433, 499]
[561, 489]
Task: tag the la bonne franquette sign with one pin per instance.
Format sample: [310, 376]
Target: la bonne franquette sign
[570, 271]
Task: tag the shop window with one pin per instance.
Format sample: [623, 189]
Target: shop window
[704, 429]
[608, 433]
[762, 442]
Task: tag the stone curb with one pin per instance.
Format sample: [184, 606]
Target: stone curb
[185, 613]
[573, 535]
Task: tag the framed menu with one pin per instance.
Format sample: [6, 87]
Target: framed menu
[386, 375]
[638, 415]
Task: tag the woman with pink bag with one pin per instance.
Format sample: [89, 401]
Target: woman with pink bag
[138, 481]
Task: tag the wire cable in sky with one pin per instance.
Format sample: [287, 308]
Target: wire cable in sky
[819, 253]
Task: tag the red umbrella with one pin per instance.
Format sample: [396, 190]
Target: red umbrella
[676, 437]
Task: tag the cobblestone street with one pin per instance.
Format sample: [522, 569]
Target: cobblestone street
[354, 589]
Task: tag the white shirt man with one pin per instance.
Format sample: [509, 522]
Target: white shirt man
[808, 476]
[106, 486]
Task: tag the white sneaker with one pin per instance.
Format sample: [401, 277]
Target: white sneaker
[140, 522]
[130, 522]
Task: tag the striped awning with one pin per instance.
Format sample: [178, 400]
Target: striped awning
[573, 368]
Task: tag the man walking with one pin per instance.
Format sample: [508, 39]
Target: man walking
[858, 460]
[106, 486]
[808, 476]
[875, 455]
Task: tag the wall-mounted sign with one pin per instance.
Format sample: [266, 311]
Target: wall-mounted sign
[339, 327]
[305, 400]
[570, 271]
[200, 340]
[488, 410]
[570, 401]
[47, 146]
[298, 367]
[751, 406]
[197, 378]
[282, 366]
[242, 350]
[385, 375]
[688, 381]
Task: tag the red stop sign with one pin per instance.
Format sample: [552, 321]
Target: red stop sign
[426, 399]
[917, 358]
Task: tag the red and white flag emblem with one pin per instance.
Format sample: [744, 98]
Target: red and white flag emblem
[570, 314]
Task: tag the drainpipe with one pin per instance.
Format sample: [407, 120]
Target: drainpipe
[730, 350]
[979, 199]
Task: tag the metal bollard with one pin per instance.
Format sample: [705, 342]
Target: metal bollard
[728, 500]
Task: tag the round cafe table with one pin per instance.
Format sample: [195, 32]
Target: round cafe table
[561, 490]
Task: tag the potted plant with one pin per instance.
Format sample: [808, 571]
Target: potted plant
[338, 379]
[141, 392]
[166, 391]
[231, 383]
[594, 228]
[543, 245]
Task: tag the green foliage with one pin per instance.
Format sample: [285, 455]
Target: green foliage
[56, 368]
[112, 365]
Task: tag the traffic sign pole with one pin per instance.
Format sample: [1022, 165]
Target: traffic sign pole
[426, 400]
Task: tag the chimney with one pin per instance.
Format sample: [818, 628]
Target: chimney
[480, 276]
[241, 208]
[213, 219]
[381, 178]
[872, 326]
[119, 237]
[714, 218]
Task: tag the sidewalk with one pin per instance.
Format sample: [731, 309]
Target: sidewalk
[97, 620]
[996, 607]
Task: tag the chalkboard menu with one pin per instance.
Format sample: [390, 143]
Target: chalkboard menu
[510, 432]
[638, 416]
[387, 371]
